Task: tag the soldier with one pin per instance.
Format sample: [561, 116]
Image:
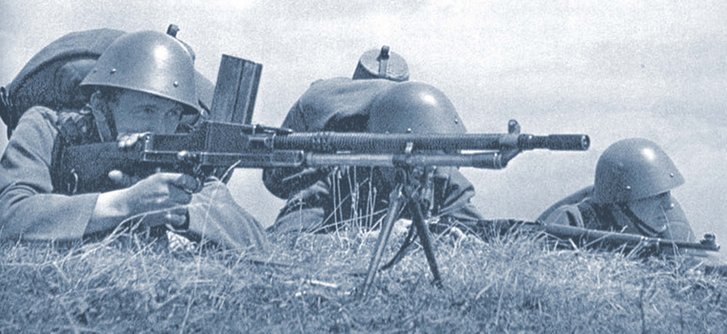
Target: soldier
[143, 82]
[378, 98]
[631, 194]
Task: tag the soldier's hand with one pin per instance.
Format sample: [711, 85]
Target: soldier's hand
[157, 192]
[174, 219]
[162, 197]
[126, 141]
[122, 179]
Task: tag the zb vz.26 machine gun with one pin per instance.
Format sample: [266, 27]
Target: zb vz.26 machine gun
[215, 145]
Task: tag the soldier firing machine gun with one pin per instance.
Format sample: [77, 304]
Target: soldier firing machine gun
[229, 141]
[215, 145]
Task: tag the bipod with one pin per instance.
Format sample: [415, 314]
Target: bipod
[409, 194]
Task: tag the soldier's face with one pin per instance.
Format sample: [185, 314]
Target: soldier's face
[653, 210]
[136, 112]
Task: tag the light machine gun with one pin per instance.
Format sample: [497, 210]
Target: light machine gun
[215, 145]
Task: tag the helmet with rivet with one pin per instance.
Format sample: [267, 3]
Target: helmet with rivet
[632, 169]
[151, 62]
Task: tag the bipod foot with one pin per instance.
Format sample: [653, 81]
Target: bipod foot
[438, 283]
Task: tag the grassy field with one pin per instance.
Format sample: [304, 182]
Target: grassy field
[512, 284]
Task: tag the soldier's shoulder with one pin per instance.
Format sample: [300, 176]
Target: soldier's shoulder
[73, 124]
[38, 115]
[573, 199]
[344, 88]
[37, 124]
[326, 86]
[338, 84]
[330, 81]
[561, 214]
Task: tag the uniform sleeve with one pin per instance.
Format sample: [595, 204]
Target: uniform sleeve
[574, 198]
[567, 214]
[296, 179]
[457, 203]
[215, 216]
[336, 104]
[296, 118]
[28, 209]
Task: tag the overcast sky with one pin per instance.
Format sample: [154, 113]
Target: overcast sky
[616, 69]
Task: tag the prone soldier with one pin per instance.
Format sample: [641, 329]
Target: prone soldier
[144, 82]
[631, 194]
[377, 99]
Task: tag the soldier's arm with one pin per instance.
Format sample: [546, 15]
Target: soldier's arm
[456, 200]
[215, 217]
[283, 182]
[574, 198]
[567, 214]
[28, 208]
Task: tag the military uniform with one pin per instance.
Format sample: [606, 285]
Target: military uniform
[319, 200]
[31, 209]
[586, 213]
[148, 76]
[628, 172]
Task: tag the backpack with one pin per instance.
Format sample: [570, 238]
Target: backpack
[52, 76]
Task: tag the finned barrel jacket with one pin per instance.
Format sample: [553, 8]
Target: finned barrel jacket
[32, 209]
[320, 197]
[581, 211]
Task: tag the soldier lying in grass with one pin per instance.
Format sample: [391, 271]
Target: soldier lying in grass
[378, 99]
[632, 194]
[143, 82]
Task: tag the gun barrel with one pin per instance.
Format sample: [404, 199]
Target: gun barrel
[392, 143]
[488, 160]
[555, 142]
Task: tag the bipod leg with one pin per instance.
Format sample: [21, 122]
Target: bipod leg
[402, 250]
[396, 202]
[426, 240]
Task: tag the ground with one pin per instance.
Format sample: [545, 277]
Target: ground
[310, 283]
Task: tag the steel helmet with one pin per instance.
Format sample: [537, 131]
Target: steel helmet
[381, 64]
[632, 169]
[413, 107]
[150, 62]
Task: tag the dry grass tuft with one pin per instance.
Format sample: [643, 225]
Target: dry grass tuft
[510, 284]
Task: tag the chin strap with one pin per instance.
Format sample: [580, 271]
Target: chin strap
[105, 131]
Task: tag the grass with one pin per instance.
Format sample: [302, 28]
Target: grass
[511, 284]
